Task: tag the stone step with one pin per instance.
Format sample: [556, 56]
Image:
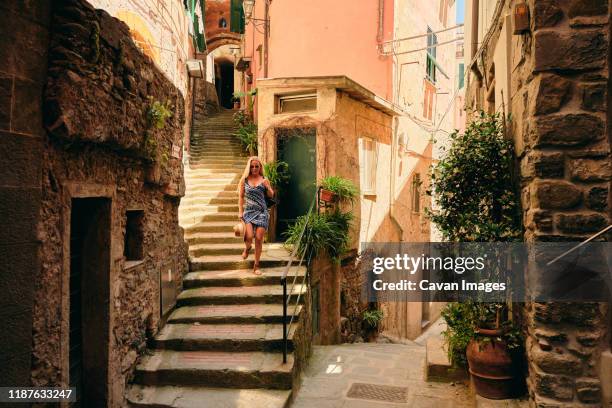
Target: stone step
[251, 313]
[234, 248]
[226, 237]
[206, 200]
[224, 262]
[223, 337]
[195, 209]
[212, 187]
[240, 277]
[254, 369]
[212, 226]
[190, 219]
[221, 295]
[218, 163]
[439, 367]
[218, 167]
[193, 397]
[197, 175]
[207, 194]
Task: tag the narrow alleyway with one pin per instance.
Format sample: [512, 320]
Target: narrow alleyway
[226, 332]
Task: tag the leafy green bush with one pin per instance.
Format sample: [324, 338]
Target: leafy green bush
[324, 232]
[473, 185]
[343, 188]
[277, 172]
[372, 318]
[474, 190]
[247, 135]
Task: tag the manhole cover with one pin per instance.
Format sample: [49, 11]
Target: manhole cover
[378, 392]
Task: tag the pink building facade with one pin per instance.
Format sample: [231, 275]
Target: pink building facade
[320, 38]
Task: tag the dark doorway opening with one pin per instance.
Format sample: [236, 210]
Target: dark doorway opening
[224, 82]
[296, 147]
[90, 226]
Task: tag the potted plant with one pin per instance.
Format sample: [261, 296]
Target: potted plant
[472, 187]
[371, 320]
[327, 232]
[335, 188]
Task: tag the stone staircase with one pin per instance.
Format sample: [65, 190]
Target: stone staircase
[222, 345]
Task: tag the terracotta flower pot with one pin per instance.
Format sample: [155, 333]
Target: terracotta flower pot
[494, 372]
[328, 196]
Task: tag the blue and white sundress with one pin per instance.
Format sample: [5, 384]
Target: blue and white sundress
[255, 208]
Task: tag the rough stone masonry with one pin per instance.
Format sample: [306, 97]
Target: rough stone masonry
[100, 141]
[561, 127]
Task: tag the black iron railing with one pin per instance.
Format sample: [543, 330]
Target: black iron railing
[301, 250]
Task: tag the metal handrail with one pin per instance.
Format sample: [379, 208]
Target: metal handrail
[287, 296]
[592, 237]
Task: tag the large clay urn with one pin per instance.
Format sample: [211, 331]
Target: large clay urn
[494, 372]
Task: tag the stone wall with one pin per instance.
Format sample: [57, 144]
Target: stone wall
[100, 143]
[559, 101]
[24, 38]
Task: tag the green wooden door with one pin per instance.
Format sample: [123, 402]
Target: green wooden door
[298, 149]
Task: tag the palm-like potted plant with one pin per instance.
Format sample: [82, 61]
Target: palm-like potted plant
[473, 188]
[335, 188]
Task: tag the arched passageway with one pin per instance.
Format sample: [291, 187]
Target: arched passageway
[224, 82]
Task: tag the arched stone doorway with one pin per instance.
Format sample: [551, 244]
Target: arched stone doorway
[224, 82]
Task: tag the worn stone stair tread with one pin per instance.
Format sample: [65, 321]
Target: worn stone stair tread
[210, 226]
[235, 294]
[231, 369]
[211, 262]
[239, 277]
[202, 397]
[223, 336]
[249, 313]
[241, 273]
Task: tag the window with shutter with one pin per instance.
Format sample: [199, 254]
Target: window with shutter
[368, 158]
[236, 17]
[416, 193]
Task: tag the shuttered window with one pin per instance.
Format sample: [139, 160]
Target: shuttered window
[368, 160]
[237, 17]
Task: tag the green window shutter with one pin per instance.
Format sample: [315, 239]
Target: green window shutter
[237, 17]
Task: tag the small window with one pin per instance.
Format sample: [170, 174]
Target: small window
[461, 76]
[416, 193]
[432, 42]
[134, 235]
[222, 22]
[297, 103]
[368, 157]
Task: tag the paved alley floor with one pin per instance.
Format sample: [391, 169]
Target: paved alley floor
[399, 368]
[334, 369]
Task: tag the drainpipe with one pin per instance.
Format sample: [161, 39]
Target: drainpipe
[392, 184]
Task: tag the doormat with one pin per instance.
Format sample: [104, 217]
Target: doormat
[378, 392]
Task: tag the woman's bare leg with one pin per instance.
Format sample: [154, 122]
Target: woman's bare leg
[248, 240]
[259, 236]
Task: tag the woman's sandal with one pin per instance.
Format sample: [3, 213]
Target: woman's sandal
[245, 253]
[256, 270]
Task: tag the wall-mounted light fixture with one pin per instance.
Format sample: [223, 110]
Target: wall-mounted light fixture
[521, 18]
[248, 5]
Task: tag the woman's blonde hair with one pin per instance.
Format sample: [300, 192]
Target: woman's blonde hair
[247, 170]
